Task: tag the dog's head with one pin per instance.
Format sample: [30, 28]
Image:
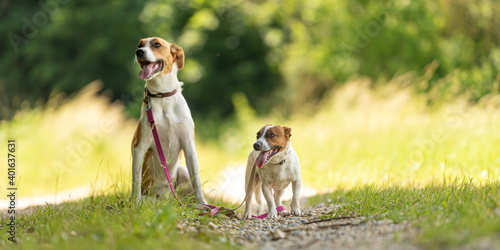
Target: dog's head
[157, 57]
[271, 140]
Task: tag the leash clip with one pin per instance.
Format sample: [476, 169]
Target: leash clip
[149, 102]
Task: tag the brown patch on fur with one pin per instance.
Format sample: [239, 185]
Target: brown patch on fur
[288, 132]
[259, 134]
[137, 136]
[147, 174]
[169, 53]
[142, 42]
[276, 136]
[177, 55]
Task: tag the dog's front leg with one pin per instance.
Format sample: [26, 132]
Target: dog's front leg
[277, 200]
[271, 206]
[296, 185]
[194, 171]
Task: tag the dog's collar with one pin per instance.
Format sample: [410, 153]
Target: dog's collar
[159, 95]
[280, 163]
[148, 94]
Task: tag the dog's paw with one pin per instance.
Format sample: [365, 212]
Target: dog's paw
[247, 216]
[198, 206]
[284, 213]
[296, 211]
[272, 215]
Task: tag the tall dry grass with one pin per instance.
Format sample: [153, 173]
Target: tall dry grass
[82, 141]
[358, 135]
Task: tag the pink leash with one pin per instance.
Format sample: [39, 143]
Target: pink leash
[213, 209]
[263, 216]
[151, 121]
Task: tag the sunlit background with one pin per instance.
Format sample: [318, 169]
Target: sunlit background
[376, 92]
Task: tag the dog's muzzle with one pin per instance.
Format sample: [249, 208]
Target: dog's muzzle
[257, 146]
[140, 53]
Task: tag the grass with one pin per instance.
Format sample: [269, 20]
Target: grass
[379, 151]
[358, 136]
[68, 144]
[448, 215]
[110, 222]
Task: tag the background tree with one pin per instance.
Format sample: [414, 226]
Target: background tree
[277, 53]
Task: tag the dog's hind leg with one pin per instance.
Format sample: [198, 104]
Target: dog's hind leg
[250, 188]
[295, 206]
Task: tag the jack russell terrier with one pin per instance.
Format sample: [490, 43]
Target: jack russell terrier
[159, 61]
[277, 165]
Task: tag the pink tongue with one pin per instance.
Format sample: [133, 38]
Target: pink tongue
[261, 159]
[146, 71]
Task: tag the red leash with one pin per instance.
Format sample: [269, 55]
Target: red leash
[151, 121]
[214, 210]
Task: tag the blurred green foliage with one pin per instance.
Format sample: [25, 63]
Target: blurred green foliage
[278, 53]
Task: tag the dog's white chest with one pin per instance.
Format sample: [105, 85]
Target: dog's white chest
[278, 176]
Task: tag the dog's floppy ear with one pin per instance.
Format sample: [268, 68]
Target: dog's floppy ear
[288, 132]
[178, 55]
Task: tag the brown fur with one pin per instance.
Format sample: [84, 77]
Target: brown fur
[137, 136]
[147, 174]
[281, 136]
[169, 53]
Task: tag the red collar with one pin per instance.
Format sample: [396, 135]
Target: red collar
[159, 95]
[148, 94]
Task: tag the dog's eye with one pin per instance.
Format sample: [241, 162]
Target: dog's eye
[258, 135]
[156, 45]
[272, 135]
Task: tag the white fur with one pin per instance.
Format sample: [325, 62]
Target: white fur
[274, 177]
[148, 55]
[262, 139]
[175, 128]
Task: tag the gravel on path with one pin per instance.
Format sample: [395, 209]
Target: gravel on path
[309, 231]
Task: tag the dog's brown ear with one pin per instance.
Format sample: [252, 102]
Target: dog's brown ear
[178, 55]
[288, 132]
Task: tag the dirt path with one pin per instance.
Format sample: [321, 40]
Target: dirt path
[310, 232]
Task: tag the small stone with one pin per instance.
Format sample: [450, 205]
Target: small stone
[109, 207]
[298, 233]
[250, 237]
[293, 224]
[277, 234]
[383, 222]
[319, 205]
[212, 226]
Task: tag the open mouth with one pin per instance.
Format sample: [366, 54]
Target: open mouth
[265, 156]
[149, 68]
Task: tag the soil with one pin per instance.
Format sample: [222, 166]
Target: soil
[310, 231]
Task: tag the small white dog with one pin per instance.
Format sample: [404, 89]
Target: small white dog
[277, 165]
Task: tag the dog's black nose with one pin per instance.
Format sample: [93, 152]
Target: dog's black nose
[257, 146]
[139, 52]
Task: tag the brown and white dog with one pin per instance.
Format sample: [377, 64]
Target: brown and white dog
[277, 165]
[159, 62]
